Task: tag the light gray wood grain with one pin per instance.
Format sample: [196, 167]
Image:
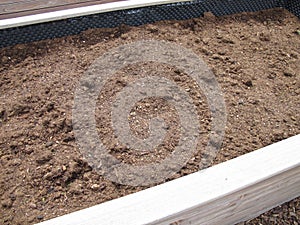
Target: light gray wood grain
[19, 6]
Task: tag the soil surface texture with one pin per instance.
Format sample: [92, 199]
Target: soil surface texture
[255, 58]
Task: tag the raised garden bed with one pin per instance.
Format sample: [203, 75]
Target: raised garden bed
[254, 56]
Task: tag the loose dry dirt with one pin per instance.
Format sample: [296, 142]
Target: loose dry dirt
[256, 60]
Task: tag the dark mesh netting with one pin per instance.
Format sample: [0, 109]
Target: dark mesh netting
[293, 6]
[139, 16]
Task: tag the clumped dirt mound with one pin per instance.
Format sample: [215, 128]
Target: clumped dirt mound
[255, 57]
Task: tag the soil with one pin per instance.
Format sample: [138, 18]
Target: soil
[254, 56]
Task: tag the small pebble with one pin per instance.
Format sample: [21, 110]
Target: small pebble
[40, 217]
[289, 72]
[241, 102]
[49, 143]
[248, 83]
[7, 203]
[209, 16]
[32, 205]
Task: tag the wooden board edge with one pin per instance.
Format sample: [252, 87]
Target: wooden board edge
[80, 11]
[227, 193]
[242, 205]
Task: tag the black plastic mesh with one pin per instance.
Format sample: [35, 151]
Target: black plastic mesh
[135, 17]
[293, 6]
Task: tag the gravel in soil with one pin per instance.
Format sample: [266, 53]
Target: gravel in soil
[254, 56]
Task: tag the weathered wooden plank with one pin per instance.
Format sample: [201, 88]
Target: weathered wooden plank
[31, 7]
[228, 193]
[10, 1]
[23, 2]
[20, 6]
